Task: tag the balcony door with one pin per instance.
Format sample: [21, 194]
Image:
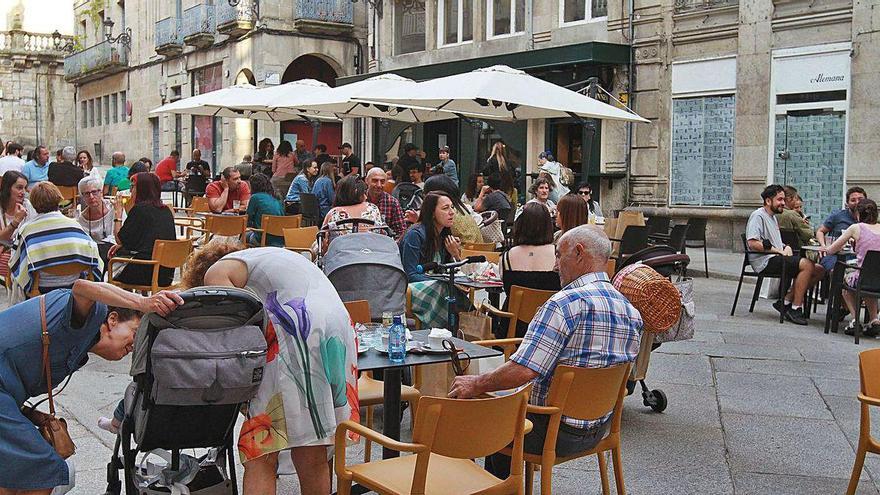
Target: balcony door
[206, 131]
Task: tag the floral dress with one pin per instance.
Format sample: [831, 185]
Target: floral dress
[310, 380]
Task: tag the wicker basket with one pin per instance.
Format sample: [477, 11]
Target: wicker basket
[656, 298]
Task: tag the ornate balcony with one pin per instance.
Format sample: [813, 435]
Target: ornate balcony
[199, 26]
[235, 21]
[96, 61]
[22, 47]
[694, 5]
[324, 16]
[169, 41]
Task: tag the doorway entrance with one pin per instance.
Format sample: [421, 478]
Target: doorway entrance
[326, 133]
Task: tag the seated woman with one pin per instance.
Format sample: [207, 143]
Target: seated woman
[472, 190]
[351, 202]
[492, 198]
[263, 202]
[325, 187]
[540, 190]
[49, 239]
[100, 218]
[570, 212]
[430, 240]
[302, 183]
[465, 225]
[148, 220]
[531, 261]
[14, 209]
[866, 235]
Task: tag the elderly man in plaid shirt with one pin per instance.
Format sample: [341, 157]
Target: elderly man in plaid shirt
[588, 323]
[388, 205]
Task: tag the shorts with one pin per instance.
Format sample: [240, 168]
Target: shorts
[774, 266]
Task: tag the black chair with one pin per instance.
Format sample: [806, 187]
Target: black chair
[696, 238]
[311, 212]
[867, 286]
[747, 271]
[833, 301]
[633, 240]
[658, 225]
[678, 236]
[791, 239]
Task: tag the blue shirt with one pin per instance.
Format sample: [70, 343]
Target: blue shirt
[838, 221]
[299, 185]
[35, 172]
[451, 170]
[586, 324]
[325, 191]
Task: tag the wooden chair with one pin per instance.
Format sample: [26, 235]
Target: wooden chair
[869, 374]
[509, 346]
[523, 305]
[67, 269]
[68, 193]
[371, 392]
[199, 206]
[447, 435]
[276, 225]
[168, 254]
[491, 256]
[223, 225]
[479, 246]
[585, 394]
[300, 239]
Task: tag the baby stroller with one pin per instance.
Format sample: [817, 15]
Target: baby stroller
[666, 261]
[334, 230]
[367, 266]
[193, 371]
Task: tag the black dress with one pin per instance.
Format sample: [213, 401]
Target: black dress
[543, 280]
[145, 224]
[492, 167]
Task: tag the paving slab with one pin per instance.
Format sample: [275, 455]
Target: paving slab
[733, 350]
[837, 387]
[790, 396]
[686, 369]
[785, 368]
[759, 484]
[689, 406]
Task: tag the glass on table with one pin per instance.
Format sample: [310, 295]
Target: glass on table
[370, 335]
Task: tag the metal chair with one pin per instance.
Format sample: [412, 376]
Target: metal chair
[868, 286]
[747, 271]
[696, 238]
[634, 239]
[658, 225]
[869, 395]
[167, 254]
[311, 212]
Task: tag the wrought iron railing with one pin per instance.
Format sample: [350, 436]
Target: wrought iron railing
[168, 32]
[691, 5]
[199, 19]
[93, 58]
[337, 11]
[226, 13]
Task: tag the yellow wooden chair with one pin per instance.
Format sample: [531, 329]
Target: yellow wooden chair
[223, 225]
[869, 374]
[478, 246]
[276, 225]
[371, 392]
[509, 346]
[491, 256]
[523, 305]
[168, 254]
[447, 435]
[586, 394]
[67, 269]
[69, 194]
[199, 206]
[300, 240]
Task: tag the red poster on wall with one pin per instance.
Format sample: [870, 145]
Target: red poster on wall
[206, 130]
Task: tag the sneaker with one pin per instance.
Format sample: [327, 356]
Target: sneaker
[107, 424]
[779, 307]
[796, 316]
[850, 328]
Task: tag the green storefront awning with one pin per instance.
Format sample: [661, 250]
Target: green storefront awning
[593, 52]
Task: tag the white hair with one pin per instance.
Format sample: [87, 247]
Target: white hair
[592, 238]
[68, 153]
[89, 181]
[375, 171]
[118, 158]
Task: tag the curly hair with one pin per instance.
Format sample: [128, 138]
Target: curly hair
[200, 261]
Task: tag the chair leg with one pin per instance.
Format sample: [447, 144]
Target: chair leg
[530, 478]
[618, 470]
[368, 445]
[343, 487]
[546, 478]
[705, 258]
[858, 316]
[858, 465]
[603, 473]
[756, 293]
[736, 296]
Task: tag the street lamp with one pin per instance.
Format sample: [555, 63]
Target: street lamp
[253, 7]
[124, 38]
[61, 44]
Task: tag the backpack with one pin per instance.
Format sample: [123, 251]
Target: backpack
[409, 195]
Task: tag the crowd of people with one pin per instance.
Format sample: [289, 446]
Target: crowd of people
[122, 213]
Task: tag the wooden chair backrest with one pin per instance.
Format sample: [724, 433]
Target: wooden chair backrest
[200, 205]
[493, 256]
[389, 186]
[276, 224]
[589, 393]
[524, 302]
[69, 193]
[358, 311]
[172, 254]
[67, 269]
[300, 238]
[226, 225]
[869, 371]
[479, 246]
[470, 428]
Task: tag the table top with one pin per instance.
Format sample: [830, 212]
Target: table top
[843, 252]
[375, 360]
[468, 282]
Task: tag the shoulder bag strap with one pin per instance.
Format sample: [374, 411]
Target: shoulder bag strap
[47, 368]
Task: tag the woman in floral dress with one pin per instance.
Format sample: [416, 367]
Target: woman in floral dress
[310, 380]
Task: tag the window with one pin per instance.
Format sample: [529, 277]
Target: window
[98, 112]
[107, 110]
[123, 103]
[506, 17]
[409, 28]
[91, 113]
[113, 108]
[573, 11]
[178, 132]
[702, 150]
[84, 114]
[454, 22]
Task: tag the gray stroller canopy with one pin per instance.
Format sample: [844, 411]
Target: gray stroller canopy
[362, 248]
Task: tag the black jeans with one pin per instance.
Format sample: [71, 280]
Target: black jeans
[570, 441]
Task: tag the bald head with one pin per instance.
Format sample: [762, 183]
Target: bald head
[118, 158]
[581, 250]
[376, 179]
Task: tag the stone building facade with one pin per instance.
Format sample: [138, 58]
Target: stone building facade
[180, 48]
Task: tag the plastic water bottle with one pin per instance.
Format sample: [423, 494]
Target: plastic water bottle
[397, 341]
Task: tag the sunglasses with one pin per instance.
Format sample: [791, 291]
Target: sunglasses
[585, 193]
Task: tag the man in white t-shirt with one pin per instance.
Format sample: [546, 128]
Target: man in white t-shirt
[12, 160]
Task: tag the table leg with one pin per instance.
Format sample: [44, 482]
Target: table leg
[391, 409]
[495, 299]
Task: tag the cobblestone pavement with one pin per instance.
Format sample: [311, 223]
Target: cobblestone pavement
[755, 407]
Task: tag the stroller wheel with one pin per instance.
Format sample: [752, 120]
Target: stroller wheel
[655, 399]
[630, 387]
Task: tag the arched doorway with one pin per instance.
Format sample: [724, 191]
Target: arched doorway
[312, 134]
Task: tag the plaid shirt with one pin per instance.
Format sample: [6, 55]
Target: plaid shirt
[588, 323]
[391, 212]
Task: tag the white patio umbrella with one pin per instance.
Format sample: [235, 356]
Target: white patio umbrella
[502, 93]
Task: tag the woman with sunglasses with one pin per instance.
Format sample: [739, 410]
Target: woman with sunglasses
[585, 191]
[100, 217]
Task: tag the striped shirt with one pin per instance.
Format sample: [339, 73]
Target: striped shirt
[587, 324]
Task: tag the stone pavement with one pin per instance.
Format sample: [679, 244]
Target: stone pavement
[755, 407]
